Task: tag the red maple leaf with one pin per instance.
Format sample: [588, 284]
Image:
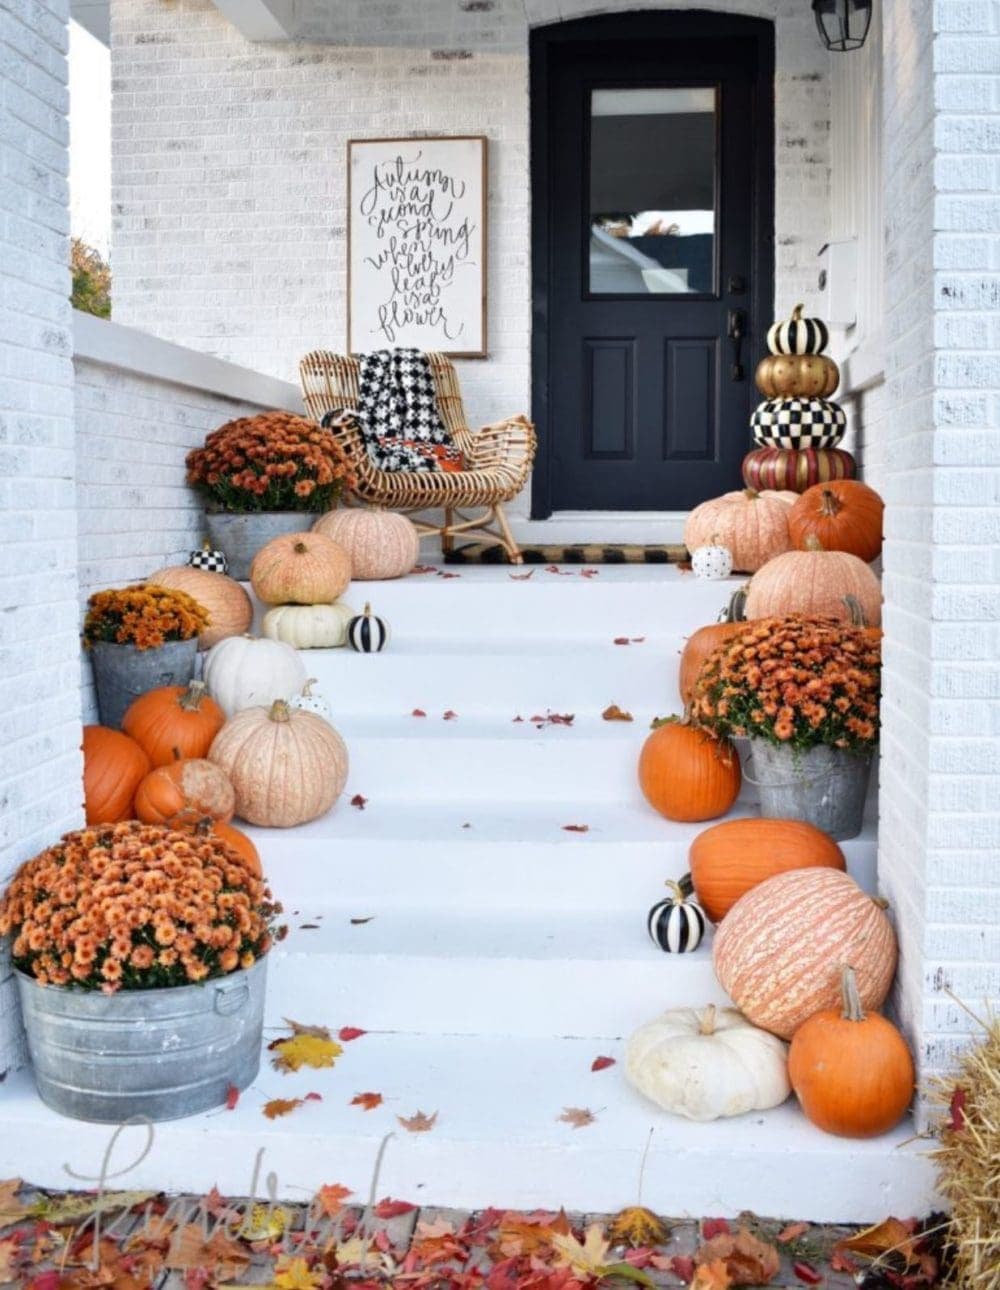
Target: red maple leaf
[713, 1227]
[313, 1097]
[347, 1033]
[359, 801]
[576, 828]
[418, 712]
[369, 1101]
[682, 1266]
[602, 1063]
[807, 1273]
[388, 1208]
[589, 573]
[232, 1097]
[450, 716]
[621, 640]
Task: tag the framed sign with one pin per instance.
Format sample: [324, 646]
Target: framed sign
[416, 245]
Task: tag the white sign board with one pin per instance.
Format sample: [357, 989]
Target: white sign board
[417, 245]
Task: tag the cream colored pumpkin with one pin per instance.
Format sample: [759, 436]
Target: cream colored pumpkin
[380, 544]
[754, 527]
[816, 582]
[309, 626]
[780, 951]
[300, 569]
[230, 611]
[706, 1064]
[243, 671]
[286, 766]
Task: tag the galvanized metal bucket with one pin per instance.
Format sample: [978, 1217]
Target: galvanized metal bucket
[240, 537]
[823, 786]
[163, 1054]
[123, 672]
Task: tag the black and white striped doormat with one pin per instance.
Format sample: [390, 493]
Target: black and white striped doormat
[577, 553]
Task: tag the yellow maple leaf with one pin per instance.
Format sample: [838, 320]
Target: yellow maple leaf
[711, 1276]
[304, 1050]
[637, 1226]
[589, 1257]
[265, 1223]
[359, 1253]
[11, 1209]
[295, 1275]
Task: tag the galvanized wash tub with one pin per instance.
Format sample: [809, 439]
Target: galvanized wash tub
[240, 536]
[823, 786]
[163, 1054]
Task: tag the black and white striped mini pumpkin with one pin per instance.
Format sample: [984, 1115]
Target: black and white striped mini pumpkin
[798, 423]
[798, 335]
[367, 634]
[676, 924]
[208, 559]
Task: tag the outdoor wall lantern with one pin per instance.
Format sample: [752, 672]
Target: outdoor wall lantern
[843, 24]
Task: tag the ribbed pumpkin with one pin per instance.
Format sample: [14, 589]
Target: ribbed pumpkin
[224, 832]
[287, 766]
[852, 1073]
[185, 790]
[173, 722]
[706, 640]
[300, 569]
[243, 672]
[380, 544]
[798, 335]
[728, 859]
[780, 950]
[230, 611]
[754, 526]
[795, 468]
[815, 582]
[797, 375]
[113, 768]
[688, 774]
[843, 515]
[309, 626]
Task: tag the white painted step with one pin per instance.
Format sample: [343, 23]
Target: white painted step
[497, 1140]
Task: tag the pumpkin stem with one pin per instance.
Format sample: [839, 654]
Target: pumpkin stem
[676, 890]
[280, 711]
[830, 504]
[853, 1010]
[191, 699]
[797, 313]
[706, 1024]
[880, 901]
[300, 548]
[812, 543]
[206, 545]
[735, 611]
[854, 608]
[307, 689]
[368, 610]
[751, 494]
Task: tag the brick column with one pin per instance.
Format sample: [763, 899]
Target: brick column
[39, 650]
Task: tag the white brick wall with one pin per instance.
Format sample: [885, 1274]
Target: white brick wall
[39, 690]
[229, 165]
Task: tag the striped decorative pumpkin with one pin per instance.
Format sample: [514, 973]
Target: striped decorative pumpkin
[380, 544]
[676, 924]
[798, 335]
[781, 949]
[367, 634]
[797, 470]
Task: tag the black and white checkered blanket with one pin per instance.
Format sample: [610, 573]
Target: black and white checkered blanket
[397, 408]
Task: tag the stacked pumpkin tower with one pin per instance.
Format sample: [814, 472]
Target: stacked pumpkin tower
[798, 426]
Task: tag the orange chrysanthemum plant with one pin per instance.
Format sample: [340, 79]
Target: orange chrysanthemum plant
[271, 462]
[145, 616]
[796, 681]
[135, 906]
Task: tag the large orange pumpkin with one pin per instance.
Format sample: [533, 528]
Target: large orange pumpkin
[228, 833]
[230, 611]
[752, 525]
[844, 515]
[728, 859]
[852, 1073]
[300, 569]
[688, 774]
[185, 790]
[113, 768]
[705, 641]
[780, 950]
[174, 722]
[815, 582]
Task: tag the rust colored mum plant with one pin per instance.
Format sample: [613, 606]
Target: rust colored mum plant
[271, 462]
[796, 681]
[135, 906]
[145, 616]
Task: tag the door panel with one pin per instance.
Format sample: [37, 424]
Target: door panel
[691, 375]
[608, 373]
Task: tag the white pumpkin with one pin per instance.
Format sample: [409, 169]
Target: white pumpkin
[310, 700]
[712, 561]
[309, 626]
[707, 1064]
[246, 672]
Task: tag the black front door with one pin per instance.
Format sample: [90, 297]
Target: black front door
[652, 249]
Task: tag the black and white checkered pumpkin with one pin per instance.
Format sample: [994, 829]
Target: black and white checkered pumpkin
[798, 335]
[367, 634]
[798, 423]
[209, 559]
[677, 923]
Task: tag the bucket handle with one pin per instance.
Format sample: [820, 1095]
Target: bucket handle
[230, 999]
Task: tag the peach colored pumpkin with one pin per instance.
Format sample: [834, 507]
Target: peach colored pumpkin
[185, 790]
[380, 544]
[286, 766]
[781, 949]
[230, 611]
[814, 582]
[754, 527]
[300, 569]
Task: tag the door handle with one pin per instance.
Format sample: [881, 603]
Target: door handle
[735, 328]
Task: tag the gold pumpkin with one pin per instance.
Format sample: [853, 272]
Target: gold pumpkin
[803, 375]
[230, 611]
[286, 766]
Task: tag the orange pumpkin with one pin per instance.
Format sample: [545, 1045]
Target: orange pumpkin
[730, 858]
[815, 582]
[113, 768]
[185, 790]
[705, 641]
[779, 950]
[688, 774]
[844, 515]
[174, 722]
[230, 611]
[852, 1073]
[753, 526]
[300, 569]
[229, 834]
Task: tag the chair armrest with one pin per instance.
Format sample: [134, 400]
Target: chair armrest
[505, 443]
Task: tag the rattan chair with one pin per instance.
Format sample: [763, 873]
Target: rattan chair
[498, 458]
